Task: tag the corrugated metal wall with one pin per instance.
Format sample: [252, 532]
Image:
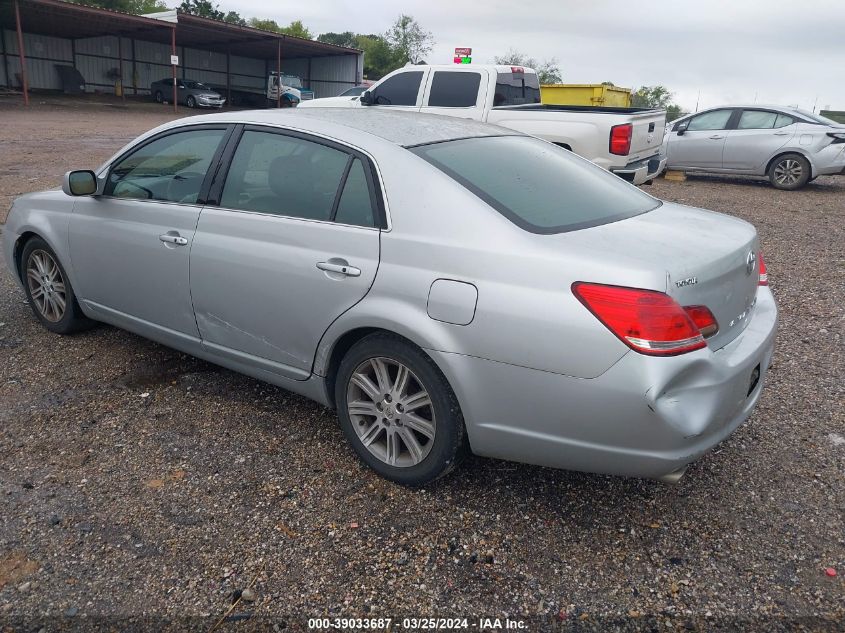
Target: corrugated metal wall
[145, 62]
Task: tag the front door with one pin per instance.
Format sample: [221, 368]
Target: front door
[703, 142]
[130, 246]
[292, 243]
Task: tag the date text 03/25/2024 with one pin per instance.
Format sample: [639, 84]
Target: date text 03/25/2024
[416, 624]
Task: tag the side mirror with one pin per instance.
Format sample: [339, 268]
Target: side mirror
[82, 182]
[367, 98]
[682, 127]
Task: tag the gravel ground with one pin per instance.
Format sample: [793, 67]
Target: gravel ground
[142, 487]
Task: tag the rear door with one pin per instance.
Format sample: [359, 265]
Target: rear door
[460, 93]
[402, 90]
[703, 142]
[289, 241]
[758, 135]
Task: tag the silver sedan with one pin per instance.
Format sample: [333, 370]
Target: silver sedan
[446, 285]
[788, 146]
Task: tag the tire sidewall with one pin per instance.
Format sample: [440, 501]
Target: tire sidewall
[159, 96]
[805, 172]
[448, 436]
[72, 320]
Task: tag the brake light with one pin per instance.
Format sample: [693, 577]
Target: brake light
[764, 274]
[517, 69]
[620, 139]
[647, 321]
[703, 319]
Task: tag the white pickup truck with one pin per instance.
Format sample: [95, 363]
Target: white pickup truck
[625, 141]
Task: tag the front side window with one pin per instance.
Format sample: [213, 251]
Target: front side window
[537, 185]
[715, 120]
[516, 89]
[171, 168]
[454, 89]
[285, 175]
[401, 89]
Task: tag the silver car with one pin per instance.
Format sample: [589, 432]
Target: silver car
[193, 94]
[446, 285]
[788, 146]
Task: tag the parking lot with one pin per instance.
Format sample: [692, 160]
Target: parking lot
[141, 482]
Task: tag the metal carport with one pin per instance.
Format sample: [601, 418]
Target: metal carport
[35, 35]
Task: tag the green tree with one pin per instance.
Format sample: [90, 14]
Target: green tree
[651, 97]
[347, 39]
[264, 25]
[379, 57]
[233, 17]
[408, 39]
[297, 29]
[202, 8]
[548, 71]
[673, 112]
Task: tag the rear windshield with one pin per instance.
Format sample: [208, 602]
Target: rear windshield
[516, 89]
[538, 186]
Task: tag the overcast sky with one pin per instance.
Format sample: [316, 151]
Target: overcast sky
[771, 51]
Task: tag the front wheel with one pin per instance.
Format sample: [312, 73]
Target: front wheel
[398, 411]
[789, 172]
[48, 290]
[191, 102]
[159, 97]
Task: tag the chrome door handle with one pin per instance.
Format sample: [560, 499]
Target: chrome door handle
[343, 269]
[782, 133]
[717, 136]
[169, 238]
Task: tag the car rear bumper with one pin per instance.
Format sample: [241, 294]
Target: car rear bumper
[830, 160]
[644, 417]
[641, 171]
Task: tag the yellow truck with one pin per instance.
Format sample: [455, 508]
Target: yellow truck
[586, 95]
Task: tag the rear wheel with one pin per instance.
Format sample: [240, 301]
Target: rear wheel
[49, 291]
[159, 96]
[789, 172]
[398, 411]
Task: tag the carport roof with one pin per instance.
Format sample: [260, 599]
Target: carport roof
[64, 19]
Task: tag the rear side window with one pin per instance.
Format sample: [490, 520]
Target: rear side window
[536, 185]
[355, 206]
[763, 120]
[401, 89]
[454, 89]
[715, 120]
[516, 89]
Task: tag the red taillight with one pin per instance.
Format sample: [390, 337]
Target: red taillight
[764, 274]
[647, 321]
[620, 139]
[703, 319]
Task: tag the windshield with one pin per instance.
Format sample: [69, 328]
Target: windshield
[194, 84]
[817, 118]
[293, 82]
[538, 186]
[353, 92]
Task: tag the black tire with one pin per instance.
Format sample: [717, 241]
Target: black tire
[72, 320]
[159, 96]
[449, 445]
[789, 172]
[191, 102]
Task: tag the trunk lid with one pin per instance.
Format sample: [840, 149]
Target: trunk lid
[647, 133]
[707, 258]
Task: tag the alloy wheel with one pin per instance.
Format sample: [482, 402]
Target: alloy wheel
[46, 285]
[788, 172]
[391, 412]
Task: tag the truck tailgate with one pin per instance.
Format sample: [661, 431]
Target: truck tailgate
[647, 133]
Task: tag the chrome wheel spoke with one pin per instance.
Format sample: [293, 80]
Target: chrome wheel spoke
[58, 286]
[382, 375]
[366, 385]
[371, 433]
[411, 443]
[419, 399]
[400, 385]
[360, 407]
[415, 422]
[59, 302]
[46, 285]
[393, 448]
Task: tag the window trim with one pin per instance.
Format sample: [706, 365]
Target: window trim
[213, 166]
[768, 111]
[418, 101]
[480, 93]
[370, 170]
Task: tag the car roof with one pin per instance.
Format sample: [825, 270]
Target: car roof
[398, 127]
